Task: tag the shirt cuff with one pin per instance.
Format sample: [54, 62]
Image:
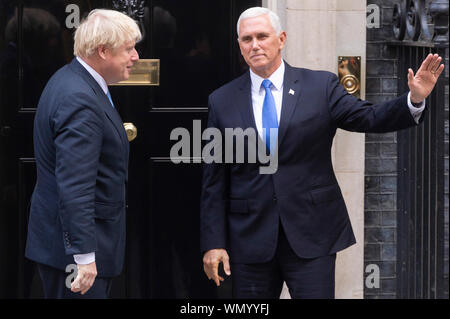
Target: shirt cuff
[84, 259]
[416, 112]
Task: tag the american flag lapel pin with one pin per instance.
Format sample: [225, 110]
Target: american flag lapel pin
[291, 92]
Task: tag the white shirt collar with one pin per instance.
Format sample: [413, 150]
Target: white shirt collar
[276, 78]
[97, 77]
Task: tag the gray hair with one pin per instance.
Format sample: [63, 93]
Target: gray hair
[259, 11]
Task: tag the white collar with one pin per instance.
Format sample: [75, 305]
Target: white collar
[97, 77]
[276, 78]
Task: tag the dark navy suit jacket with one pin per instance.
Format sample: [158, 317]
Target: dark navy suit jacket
[241, 208]
[81, 150]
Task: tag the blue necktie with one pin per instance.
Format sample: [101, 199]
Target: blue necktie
[110, 99]
[269, 117]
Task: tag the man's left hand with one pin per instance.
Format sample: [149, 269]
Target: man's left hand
[426, 77]
[85, 278]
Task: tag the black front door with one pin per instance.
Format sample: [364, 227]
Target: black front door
[196, 44]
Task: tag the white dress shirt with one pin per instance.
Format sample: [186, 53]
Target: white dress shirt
[277, 78]
[100, 80]
[84, 259]
[258, 94]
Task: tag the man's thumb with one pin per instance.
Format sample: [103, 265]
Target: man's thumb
[76, 283]
[226, 267]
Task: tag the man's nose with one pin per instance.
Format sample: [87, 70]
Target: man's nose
[135, 55]
[255, 44]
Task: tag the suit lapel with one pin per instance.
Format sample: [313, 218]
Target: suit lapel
[114, 117]
[244, 102]
[291, 94]
[111, 112]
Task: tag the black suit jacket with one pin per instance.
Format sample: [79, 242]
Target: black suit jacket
[241, 208]
[81, 150]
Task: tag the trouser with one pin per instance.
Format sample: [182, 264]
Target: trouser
[54, 284]
[305, 278]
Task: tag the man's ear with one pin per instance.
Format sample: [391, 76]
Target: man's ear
[101, 50]
[282, 39]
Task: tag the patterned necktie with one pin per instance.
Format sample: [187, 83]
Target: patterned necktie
[110, 99]
[269, 117]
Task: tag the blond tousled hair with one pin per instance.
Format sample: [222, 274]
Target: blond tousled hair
[104, 27]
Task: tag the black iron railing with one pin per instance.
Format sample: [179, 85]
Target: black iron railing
[420, 28]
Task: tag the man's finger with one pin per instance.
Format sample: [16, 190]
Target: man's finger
[75, 289]
[226, 266]
[85, 290]
[215, 268]
[218, 279]
[206, 270]
[87, 283]
[209, 270]
[439, 71]
[215, 271]
[435, 64]
[85, 287]
[410, 75]
[82, 283]
[426, 63]
[431, 63]
[76, 286]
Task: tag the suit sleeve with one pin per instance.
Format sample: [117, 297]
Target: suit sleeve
[213, 199]
[353, 114]
[78, 131]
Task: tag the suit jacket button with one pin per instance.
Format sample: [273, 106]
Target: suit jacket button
[275, 198]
